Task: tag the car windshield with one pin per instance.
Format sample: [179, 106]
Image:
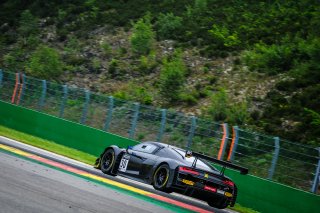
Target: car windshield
[200, 163]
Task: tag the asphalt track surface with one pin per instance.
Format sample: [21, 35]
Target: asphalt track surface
[27, 186]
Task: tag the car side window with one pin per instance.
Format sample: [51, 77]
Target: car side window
[147, 148]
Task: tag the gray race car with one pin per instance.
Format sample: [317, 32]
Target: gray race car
[169, 169]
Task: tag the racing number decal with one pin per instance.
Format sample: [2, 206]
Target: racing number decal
[124, 163]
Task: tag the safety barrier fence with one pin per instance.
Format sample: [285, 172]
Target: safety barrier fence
[268, 157]
[254, 192]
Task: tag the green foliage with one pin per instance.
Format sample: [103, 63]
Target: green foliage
[106, 48]
[147, 63]
[315, 117]
[142, 38]
[96, 64]
[45, 63]
[172, 77]
[28, 24]
[223, 37]
[218, 109]
[200, 5]
[188, 98]
[73, 45]
[137, 93]
[271, 59]
[14, 60]
[142, 95]
[28, 29]
[168, 26]
[113, 67]
[221, 109]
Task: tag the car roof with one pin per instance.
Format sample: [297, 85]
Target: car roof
[160, 144]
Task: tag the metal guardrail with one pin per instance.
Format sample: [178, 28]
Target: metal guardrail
[266, 156]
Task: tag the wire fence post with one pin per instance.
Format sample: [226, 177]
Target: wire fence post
[22, 89]
[64, 100]
[234, 144]
[43, 94]
[109, 114]
[191, 132]
[316, 180]
[163, 124]
[224, 141]
[132, 130]
[85, 107]
[24, 83]
[16, 87]
[274, 158]
[1, 77]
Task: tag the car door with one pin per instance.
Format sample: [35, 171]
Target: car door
[138, 161]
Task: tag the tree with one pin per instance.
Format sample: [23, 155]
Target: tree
[45, 62]
[28, 27]
[142, 37]
[172, 77]
[168, 25]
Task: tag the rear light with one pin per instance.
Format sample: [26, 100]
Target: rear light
[229, 183]
[188, 170]
[209, 188]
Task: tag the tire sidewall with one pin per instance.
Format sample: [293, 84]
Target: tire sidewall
[164, 185]
[109, 168]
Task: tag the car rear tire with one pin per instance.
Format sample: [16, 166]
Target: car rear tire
[107, 161]
[161, 178]
[221, 203]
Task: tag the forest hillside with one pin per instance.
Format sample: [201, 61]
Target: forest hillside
[255, 64]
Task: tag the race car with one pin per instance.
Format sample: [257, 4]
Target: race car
[172, 169]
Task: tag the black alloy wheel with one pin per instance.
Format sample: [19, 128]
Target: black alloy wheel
[161, 178]
[107, 161]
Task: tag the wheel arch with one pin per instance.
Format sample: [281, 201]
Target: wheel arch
[172, 166]
[117, 152]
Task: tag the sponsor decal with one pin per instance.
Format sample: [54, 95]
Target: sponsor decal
[188, 182]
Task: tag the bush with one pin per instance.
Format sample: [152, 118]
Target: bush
[14, 60]
[270, 59]
[45, 63]
[113, 67]
[135, 93]
[218, 109]
[172, 77]
[142, 38]
[28, 24]
[223, 38]
[188, 98]
[147, 63]
[222, 110]
[168, 26]
[96, 64]
[106, 48]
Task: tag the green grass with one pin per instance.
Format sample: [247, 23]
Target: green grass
[47, 145]
[71, 153]
[242, 209]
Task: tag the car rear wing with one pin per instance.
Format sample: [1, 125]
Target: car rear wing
[242, 170]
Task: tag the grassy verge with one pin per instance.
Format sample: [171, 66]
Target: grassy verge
[242, 209]
[47, 145]
[71, 153]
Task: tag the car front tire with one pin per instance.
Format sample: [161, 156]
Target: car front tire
[107, 161]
